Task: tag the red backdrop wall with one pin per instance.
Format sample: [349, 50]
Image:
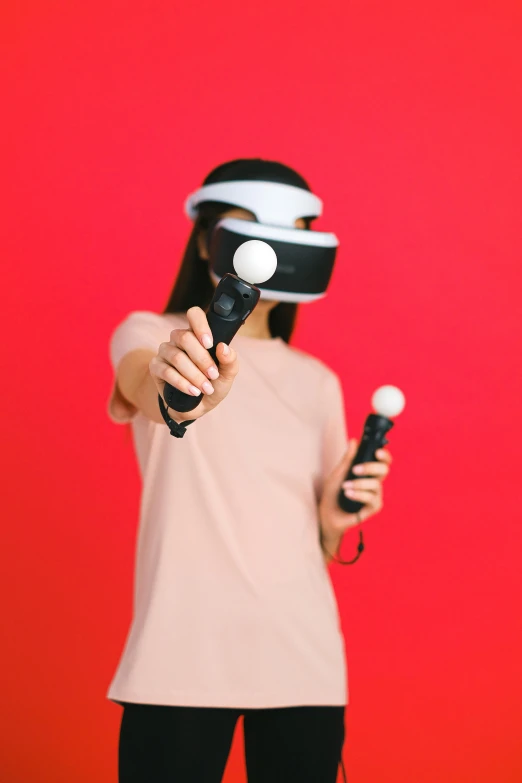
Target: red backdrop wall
[406, 118]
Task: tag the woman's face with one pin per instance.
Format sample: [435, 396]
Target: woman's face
[242, 214]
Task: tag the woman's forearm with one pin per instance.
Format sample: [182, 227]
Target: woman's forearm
[330, 544]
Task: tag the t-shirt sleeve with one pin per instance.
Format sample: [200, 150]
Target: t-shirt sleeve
[334, 439]
[140, 329]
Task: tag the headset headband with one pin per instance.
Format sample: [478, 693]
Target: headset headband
[271, 202]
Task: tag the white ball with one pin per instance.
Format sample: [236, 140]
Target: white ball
[254, 261]
[388, 401]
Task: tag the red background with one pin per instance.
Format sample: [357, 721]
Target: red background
[406, 119]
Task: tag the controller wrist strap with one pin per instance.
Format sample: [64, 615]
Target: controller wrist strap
[334, 557]
[177, 430]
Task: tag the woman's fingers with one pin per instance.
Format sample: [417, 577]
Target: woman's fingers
[185, 362]
[164, 373]
[371, 484]
[228, 369]
[365, 490]
[384, 455]
[373, 499]
[199, 324]
[228, 363]
[191, 365]
[371, 469]
[187, 365]
[187, 355]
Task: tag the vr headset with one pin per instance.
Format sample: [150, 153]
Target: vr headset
[305, 258]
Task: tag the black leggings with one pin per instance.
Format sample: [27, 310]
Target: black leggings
[164, 744]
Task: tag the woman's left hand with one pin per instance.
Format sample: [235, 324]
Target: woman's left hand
[334, 521]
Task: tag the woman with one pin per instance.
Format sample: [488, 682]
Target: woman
[234, 611]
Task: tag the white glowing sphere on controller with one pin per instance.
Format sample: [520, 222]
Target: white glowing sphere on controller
[255, 261]
[388, 401]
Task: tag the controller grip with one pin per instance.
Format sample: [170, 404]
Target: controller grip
[223, 330]
[374, 438]
[178, 400]
[233, 300]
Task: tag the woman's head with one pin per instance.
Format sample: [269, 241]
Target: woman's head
[194, 285]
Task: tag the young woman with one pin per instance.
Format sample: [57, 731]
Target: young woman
[234, 611]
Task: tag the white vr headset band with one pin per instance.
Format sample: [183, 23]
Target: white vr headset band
[279, 233]
[272, 203]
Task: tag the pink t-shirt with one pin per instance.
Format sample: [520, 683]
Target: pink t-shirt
[233, 603]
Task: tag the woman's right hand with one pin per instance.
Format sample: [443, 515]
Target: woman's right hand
[186, 364]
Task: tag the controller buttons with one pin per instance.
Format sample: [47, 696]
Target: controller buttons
[224, 305]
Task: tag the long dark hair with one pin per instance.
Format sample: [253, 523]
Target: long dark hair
[193, 286]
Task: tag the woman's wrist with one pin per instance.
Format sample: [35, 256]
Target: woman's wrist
[330, 542]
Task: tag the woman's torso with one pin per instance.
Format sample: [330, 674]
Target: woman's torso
[233, 604]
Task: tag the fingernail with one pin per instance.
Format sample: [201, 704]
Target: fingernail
[207, 341]
[350, 492]
[347, 484]
[208, 387]
[358, 469]
[195, 391]
[226, 349]
[213, 373]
